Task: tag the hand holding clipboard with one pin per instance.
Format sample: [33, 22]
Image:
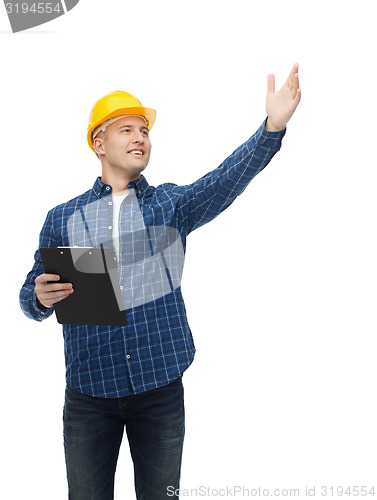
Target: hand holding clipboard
[92, 272]
[49, 293]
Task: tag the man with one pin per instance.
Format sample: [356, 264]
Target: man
[131, 376]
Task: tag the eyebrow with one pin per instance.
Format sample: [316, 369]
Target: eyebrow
[144, 127]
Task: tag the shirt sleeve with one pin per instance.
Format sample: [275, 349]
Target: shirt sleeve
[28, 297]
[206, 198]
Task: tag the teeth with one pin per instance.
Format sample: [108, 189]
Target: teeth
[136, 152]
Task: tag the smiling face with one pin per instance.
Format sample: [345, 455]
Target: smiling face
[125, 147]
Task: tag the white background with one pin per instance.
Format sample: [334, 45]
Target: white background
[280, 289]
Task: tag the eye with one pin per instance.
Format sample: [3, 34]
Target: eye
[125, 130]
[145, 132]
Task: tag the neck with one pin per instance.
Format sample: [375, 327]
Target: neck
[118, 180]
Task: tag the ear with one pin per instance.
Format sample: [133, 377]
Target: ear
[99, 146]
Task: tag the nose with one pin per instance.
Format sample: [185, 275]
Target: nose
[138, 137]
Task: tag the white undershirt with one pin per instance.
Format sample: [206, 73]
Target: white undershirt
[117, 201]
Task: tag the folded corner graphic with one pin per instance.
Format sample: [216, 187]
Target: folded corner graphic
[27, 14]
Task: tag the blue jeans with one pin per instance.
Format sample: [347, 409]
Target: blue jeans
[93, 431]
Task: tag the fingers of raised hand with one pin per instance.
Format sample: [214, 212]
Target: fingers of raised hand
[270, 84]
[295, 86]
[291, 80]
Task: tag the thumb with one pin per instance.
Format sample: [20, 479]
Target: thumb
[270, 84]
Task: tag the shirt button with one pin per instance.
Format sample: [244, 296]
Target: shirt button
[128, 356]
[110, 202]
[107, 188]
[109, 227]
[121, 287]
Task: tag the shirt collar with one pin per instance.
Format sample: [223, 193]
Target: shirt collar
[140, 185]
[102, 189]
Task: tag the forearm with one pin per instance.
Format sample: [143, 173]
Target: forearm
[206, 198]
[29, 303]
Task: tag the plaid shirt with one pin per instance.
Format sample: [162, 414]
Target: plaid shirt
[156, 346]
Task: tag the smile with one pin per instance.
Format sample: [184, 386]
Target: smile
[137, 152]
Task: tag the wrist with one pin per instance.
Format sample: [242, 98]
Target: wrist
[41, 306]
[271, 127]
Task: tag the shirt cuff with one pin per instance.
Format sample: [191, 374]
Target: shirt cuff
[41, 313]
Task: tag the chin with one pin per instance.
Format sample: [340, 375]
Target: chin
[138, 170]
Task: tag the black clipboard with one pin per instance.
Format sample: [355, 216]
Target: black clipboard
[97, 298]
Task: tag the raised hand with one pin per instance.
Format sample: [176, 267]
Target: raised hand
[281, 105]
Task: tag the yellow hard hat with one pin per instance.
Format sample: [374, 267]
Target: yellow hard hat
[117, 103]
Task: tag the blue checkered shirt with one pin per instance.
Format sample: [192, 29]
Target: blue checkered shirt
[156, 346]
